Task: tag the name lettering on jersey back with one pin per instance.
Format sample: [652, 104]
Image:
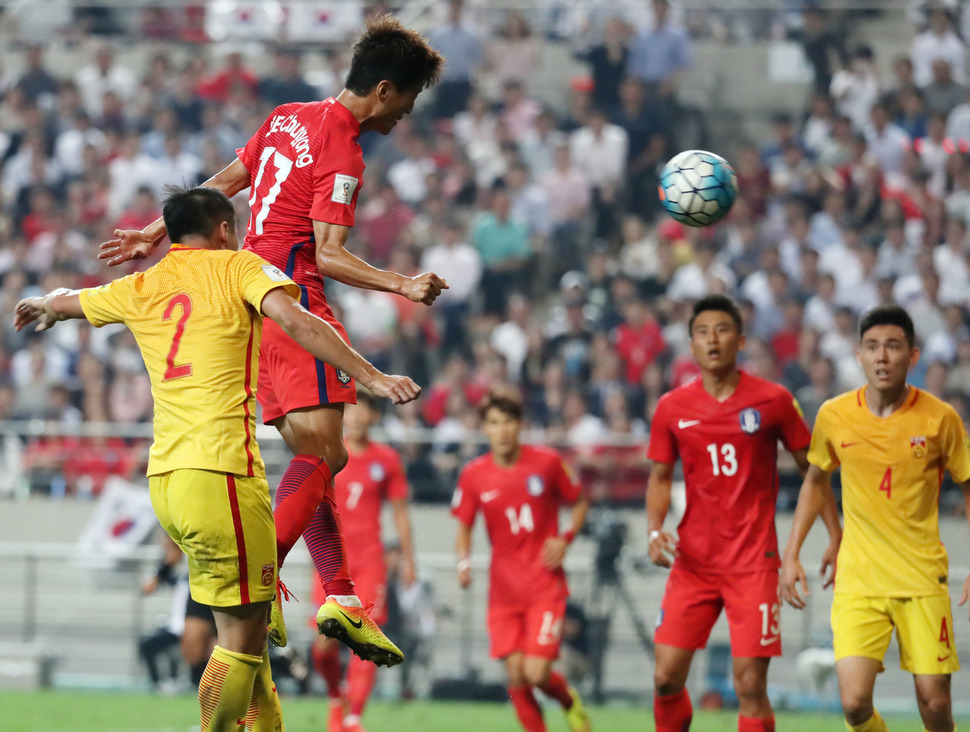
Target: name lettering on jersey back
[300, 137]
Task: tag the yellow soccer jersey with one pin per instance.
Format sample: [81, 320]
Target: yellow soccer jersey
[196, 318]
[892, 468]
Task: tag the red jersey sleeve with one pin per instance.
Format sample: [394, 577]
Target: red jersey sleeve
[663, 447]
[464, 502]
[567, 485]
[794, 433]
[396, 485]
[337, 175]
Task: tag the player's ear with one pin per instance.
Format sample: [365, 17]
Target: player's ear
[384, 89]
[914, 354]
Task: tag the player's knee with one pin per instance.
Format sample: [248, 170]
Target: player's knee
[536, 676]
[935, 708]
[857, 709]
[336, 456]
[750, 685]
[667, 681]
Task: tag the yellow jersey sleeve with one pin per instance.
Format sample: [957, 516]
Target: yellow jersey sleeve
[820, 452]
[108, 303]
[955, 446]
[258, 277]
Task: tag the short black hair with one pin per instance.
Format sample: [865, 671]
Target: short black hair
[889, 315]
[718, 303]
[196, 211]
[505, 399]
[388, 50]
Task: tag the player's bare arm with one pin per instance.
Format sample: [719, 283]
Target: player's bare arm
[555, 547]
[335, 262]
[463, 552]
[830, 517]
[813, 499]
[58, 305]
[965, 487]
[131, 244]
[319, 338]
[662, 546]
[402, 522]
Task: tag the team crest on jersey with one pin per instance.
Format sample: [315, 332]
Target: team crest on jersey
[918, 446]
[534, 485]
[750, 420]
[343, 377]
[268, 574]
[376, 472]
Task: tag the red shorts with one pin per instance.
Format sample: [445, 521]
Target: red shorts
[370, 582]
[692, 603]
[289, 377]
[535, 630]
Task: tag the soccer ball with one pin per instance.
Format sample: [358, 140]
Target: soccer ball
[698, 187]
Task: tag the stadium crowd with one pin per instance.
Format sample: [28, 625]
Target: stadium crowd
[565, 278]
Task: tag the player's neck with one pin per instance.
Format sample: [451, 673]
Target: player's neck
[883, 402]
[507, 459]
[721, 384]
[360, 107]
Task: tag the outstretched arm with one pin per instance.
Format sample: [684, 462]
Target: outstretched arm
[663, 546]
[335, 262]
[815, 493]
[320, 339]
[131, 244]
[59, 305]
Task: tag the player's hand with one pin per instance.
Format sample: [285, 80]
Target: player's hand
[793, 574]
[662, 549]
[554, 552]
[408, 574]
[827, 571]
[464, 577]
[965, 595]
[399, 389]
[149, 586]
[128, 244]
[424, 288]
[36, 308]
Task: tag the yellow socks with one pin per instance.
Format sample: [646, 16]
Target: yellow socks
[265, 701]
[226, 690]
[875, 723]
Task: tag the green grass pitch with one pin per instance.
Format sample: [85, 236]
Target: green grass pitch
[57, 711]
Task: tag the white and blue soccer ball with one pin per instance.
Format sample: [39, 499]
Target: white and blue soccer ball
[698, 187]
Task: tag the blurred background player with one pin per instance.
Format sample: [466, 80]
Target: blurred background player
[519, 490]
[373, 475]
[724, 427]
[304, 167]
[892, 442]
[195, 316]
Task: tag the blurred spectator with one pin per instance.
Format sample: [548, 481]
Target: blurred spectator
[600, 150]
[944, 93]
[519, 112]
[855, 88]
[608, 62]
[36, 82]
[233, 79]
[384, 221]
[822, 47]
[287, 84]
[538, 146]
[511, 337]
[638, 339]
[512, 52]
[939, 42]
[942, 346]
[104, 75]
[464, 53]
[503, 245]
[660, 55]
[70, 144]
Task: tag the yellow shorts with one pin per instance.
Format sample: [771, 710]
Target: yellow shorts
[863, 626]
[224, 524]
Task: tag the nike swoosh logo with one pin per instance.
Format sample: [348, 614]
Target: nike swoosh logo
[849, 444]
[488, 496]
[941, 659]
[356, 623]
[769, 641]
[684, 423]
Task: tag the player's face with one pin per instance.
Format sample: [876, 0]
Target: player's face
[394, 105]
[715, 341]
[502, 432]
[886, 357]
[357, 421]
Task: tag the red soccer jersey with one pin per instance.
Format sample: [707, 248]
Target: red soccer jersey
[729, 451]
[370, 478]
[304, 164]
[521, 508]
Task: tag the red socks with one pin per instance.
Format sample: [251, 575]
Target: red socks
[360, 681]
[673, 713]
[327, 664]
[300, 491]
[527, 708]
[756, 724]
[558, 688]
